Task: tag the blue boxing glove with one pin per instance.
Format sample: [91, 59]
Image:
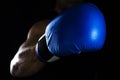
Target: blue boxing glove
[80, 28]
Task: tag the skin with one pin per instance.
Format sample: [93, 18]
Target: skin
[25, 62]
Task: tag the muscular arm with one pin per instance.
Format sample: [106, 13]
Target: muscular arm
[25, 61]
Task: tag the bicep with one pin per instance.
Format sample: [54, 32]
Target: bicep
[25, 63]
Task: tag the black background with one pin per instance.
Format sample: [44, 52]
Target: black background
[17, 18]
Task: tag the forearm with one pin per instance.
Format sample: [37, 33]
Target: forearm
[36, 31]
[25, 62]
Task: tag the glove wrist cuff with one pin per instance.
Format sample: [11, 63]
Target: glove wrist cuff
[42, 51]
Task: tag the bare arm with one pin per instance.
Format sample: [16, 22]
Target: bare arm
[25, 61]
